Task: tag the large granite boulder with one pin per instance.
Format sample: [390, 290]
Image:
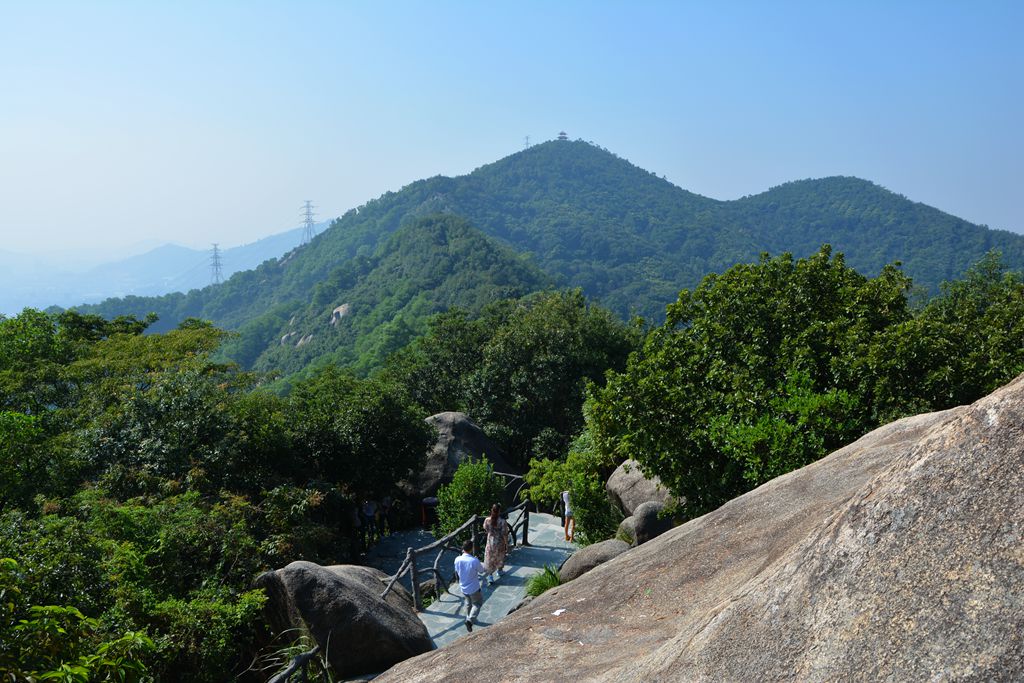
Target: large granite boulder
[458, 438]
[342, 608]
[898, 557]
[586, 558]
[645, 523]
[628, 487]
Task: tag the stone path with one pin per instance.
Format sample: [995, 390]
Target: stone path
[445, 617]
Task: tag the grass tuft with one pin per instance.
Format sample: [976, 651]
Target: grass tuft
[546, 579]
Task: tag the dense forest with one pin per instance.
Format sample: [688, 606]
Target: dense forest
[145, 482]
[562, 212]
[767, 367]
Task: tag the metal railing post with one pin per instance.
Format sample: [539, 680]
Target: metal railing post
[526, 525]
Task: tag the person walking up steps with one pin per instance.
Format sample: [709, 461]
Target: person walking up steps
[497, 544]
[469, 570]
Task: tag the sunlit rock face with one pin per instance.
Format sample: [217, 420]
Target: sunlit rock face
[629, 488]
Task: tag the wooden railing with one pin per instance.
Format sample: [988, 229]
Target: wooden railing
[521, 525]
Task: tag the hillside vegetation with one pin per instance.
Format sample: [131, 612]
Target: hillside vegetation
[580, 215]
[145, 479]
[429, 265]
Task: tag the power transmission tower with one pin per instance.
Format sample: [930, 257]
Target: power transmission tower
[216, 272]
[309, 230]
[526, 142]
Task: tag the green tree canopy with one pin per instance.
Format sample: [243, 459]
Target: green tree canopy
[758, 371]
[529, 388]
[359, 432]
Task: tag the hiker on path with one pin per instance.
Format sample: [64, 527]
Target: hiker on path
[369, 519]
[469, 570]
[497, 544]
[569, 533]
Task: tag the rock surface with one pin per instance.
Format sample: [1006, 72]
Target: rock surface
[342, 608]
[628, 487]
[585, 559]
[898, 557]
[458, 438]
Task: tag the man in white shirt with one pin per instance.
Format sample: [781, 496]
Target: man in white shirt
[469, 570]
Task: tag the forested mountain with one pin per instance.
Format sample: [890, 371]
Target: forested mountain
[871, 226]
[370, 306]
[629, 239]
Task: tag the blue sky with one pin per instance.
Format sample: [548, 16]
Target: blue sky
[212, 121]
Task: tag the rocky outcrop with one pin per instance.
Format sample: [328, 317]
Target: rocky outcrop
[342, 608]
[628, 487]
[340, 312]
[588, 557]
[458, 438]
[645, 523]
[899, 557]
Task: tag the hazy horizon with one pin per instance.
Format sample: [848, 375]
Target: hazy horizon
[194, 124]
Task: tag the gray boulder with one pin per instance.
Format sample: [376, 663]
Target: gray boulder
[628, 487]
[648, 522]
[342, 609]
[585, 559]
[898, 557]
[644, 524]
[458, 438]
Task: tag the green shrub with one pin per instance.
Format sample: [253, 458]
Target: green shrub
[205, 636]
[596, 517]
[474, 489]
[544, 580]
[546, 479]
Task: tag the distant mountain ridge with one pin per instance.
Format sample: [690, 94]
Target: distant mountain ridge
[589, 219]
[38, 283]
